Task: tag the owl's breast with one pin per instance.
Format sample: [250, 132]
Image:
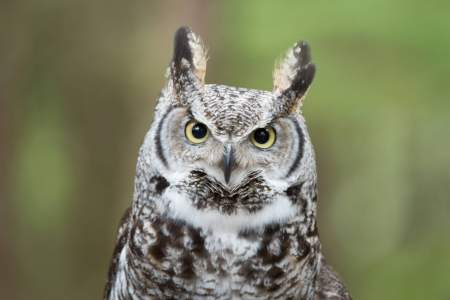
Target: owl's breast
[176, 259]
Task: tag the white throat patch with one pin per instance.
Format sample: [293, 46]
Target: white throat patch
[178, 206]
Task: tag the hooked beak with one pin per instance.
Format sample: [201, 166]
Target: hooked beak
[228, 162]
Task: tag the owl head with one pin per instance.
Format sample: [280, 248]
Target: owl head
[230, 157]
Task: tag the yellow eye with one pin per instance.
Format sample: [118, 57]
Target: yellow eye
[196, 132]
[263, 137]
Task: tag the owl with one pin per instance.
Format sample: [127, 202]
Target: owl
[225, 191]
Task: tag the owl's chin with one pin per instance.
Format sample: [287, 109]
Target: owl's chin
[179, 205]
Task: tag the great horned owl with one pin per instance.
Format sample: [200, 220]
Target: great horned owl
[225, 191]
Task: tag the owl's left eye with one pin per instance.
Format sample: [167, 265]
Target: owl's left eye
[263, 138]
[196, 132]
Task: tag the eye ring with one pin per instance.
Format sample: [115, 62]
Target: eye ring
[263, 138]
[196, 132]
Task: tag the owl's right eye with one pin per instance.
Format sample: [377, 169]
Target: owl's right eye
[196, 132]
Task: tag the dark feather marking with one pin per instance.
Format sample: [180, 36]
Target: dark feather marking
[305, 247]
[198, 242]
[121, 241]
[299, 154]
[313, 230]
[274, 273]
[173, 238]
[294, 192]
[252, 194]
[305, 73]
[135, 249]
[182, 48]
[302, 81]
[248, 271]
[187, 266]
[185, 83]
[161, 184]
[159, 149]
[157, 249]
[271, 233]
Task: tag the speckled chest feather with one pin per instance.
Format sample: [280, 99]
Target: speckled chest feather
[176, 260]
[180, 260]
[170, 259]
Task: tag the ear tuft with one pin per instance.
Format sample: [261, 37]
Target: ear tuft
[182, 48]
[189, 54]
[293, 76]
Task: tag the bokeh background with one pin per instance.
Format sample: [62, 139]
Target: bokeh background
[78, 80]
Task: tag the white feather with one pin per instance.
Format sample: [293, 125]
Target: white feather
[180, 207]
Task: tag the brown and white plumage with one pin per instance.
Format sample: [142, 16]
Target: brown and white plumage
[220, 215]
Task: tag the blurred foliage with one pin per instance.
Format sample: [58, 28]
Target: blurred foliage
[78, 81]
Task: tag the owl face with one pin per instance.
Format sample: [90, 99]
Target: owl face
[230, 133]
[228, 151]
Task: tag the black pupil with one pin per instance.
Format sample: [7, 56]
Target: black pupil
[261, 135]
[199, 130]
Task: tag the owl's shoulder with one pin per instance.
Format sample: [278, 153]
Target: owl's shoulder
[122, 237]
[329, 285]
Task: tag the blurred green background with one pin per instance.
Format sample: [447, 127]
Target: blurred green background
[78, 80]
